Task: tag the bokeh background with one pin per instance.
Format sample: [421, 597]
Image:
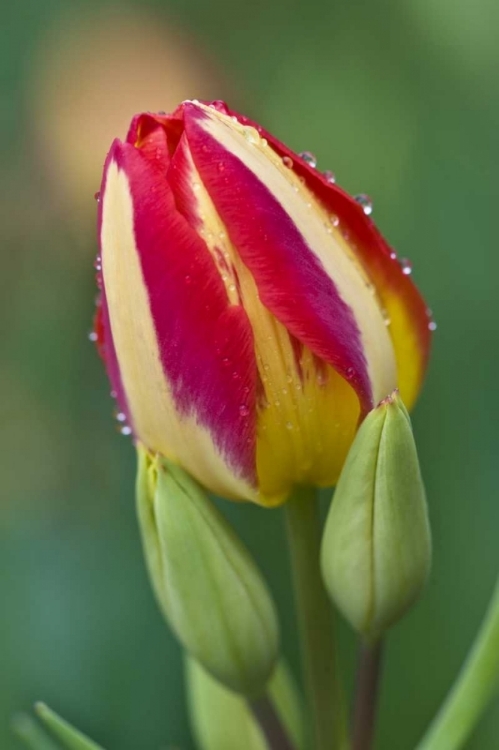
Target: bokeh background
[401, 101]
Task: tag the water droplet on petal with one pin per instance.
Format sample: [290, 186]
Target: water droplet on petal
[98, 263]
[289, 425]
[126, 430]
[432, 325]
[309, 158]
[329, 176]
[406, 266]
[92, 336]
[243, 410]
[287, 161]
[97, 196]
[350, 373]
[120, 416]
[334, 220]
[365, 201]
[393, 255]
[187, 279]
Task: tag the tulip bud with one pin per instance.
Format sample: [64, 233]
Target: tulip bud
[205, 581]
[250, 311]
[376, 549]
[223, 721]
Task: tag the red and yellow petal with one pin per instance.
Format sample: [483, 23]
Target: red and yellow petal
[174, 332]
[309, 397]
[409, 319]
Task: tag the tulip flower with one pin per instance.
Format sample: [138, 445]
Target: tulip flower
[251, 313]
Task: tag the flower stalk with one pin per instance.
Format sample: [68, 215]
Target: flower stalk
[271, 725]
[366, 695]
[316, 624]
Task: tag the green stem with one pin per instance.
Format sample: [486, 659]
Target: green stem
[270, 724]
[316, 624]
[473, 689]
[366, 695]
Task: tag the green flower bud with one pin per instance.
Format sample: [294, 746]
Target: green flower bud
[223, 720]
[205, 581]
[376, 549]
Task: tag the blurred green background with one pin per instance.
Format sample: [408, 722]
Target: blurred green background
[401, 101]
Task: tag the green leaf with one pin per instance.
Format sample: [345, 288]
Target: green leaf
[31, 734]
[70, 737]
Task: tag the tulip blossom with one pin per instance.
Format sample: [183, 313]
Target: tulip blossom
[251, 314]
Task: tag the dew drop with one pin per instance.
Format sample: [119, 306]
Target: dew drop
[126, 430]
[289, 425]
[113, 394]
[432, 326]
[120, 416]
[350, 373]
[393, 255]
[187, 279]
[92, 336]
[284, 391]
[334, 220]
[329, 176]
[226, 361]
[365, 202]
[287, 161]
[232, 287]
[98, 263]
[243, 410]
[406, 266]
[97, 196]
[251, 135]
[309, 158]
[277, 402]
[221, 167]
